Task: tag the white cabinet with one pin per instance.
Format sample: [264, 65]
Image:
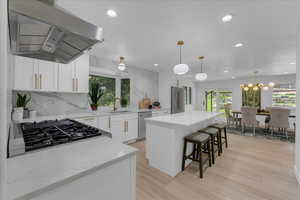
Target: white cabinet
[82, 71]
[132, 129]
[66, 80]
[124, 128]
[90, 121]
[25, 73]
[104, 123]
[74, 77]
[39, 75]
[33, 74]
[48, 72]
[117, 129]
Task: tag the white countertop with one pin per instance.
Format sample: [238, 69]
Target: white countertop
[39, 171]
[84, 114]
[184, 119]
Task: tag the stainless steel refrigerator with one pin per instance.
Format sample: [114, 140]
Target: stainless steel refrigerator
[177, 100]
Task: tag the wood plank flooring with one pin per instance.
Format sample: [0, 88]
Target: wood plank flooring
[250, 169]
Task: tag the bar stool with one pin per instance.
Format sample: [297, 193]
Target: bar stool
[221, 127]
[200, 141]
[215, 140]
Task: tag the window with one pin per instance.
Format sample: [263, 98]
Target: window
[284, 95]
[224, 98]
[125, 92]
[110, 89]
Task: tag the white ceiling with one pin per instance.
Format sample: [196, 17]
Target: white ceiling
[145, 32]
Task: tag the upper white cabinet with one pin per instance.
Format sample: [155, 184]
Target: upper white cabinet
[74, 77]
[25, 73]
[82, 73]
[38, 75]
[66, 77]
[33, 74]
[48, 72]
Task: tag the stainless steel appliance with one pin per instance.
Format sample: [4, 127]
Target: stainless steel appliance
[177, 100]
[31, 136]
[142, 123]
[40, 29]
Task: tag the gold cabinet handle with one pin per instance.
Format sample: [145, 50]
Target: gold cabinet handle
[35, 80]
[40, 81]
[73, 84]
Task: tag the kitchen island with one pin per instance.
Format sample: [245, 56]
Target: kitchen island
[88, 169]
[164, 137]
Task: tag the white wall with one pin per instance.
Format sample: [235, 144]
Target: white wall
[297, 142]
[234, 86]
[4, 94]
[168, 79]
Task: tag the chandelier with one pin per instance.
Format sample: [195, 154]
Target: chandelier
[256, 86]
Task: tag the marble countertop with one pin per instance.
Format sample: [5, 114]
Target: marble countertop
[85, 114]
[37, 172]
[184, 119]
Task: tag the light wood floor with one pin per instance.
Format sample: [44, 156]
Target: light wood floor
[250, 169]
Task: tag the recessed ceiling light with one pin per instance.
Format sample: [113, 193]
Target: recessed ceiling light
[155, 65]
[225, 71]
[292, 63]
[285, 72]
[238, 45]
[111, 13]
[233, 77]
[227, 18]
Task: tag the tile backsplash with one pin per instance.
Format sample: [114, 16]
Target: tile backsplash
[56, 103]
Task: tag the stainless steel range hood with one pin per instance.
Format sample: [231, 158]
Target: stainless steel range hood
[39, 29]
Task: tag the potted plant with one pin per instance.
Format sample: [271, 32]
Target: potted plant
[95, 94]
[21, 109]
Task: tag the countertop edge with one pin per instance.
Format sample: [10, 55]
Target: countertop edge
[74, 177]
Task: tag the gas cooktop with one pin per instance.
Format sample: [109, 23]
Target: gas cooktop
[49, 133]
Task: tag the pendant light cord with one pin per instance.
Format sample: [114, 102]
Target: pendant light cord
[180, 54]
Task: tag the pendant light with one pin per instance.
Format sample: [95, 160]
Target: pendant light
[180, 68]
[122, 65]
[201, 76]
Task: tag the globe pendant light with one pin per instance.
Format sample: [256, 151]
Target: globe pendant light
[201, 76]
[180, 68]
[122, 65]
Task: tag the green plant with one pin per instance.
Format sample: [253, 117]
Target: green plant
[95, 92]
[124, 102]
[23, 100]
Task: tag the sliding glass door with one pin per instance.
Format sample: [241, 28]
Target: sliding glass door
[215, 100]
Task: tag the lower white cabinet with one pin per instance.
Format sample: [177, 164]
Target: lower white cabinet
[104, 123]
[124, 128]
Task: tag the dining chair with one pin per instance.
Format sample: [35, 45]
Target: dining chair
[279, 119]
[249, 118]
[229, 118]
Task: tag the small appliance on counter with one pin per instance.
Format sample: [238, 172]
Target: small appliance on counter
[32, 136]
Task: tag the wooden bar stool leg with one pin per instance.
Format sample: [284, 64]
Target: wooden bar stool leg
[213, 149]
[209, 152]
[225, 134]
[200, 161]
[183, 157]
[220, 142]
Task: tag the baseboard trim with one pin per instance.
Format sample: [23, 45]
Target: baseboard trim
[297, 174]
